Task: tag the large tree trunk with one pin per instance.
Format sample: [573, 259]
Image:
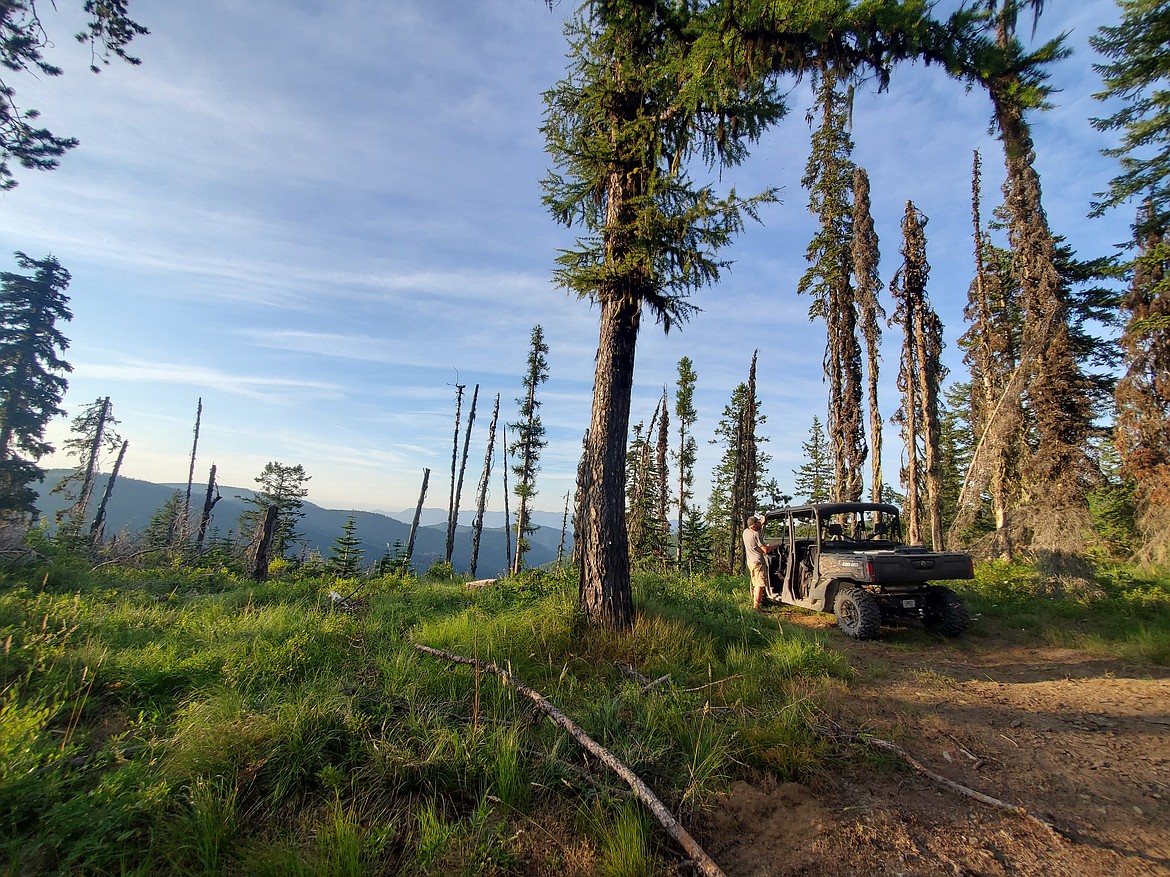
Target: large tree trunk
[865, 272]
[928, 340]
[605, 594]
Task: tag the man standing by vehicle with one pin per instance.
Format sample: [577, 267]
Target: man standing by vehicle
[754, 550]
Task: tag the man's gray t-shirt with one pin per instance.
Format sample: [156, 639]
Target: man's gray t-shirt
[751, 547]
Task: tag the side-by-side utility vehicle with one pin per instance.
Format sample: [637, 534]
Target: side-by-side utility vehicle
[848, 558]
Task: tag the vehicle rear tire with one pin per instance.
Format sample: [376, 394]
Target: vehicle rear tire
[858, 613]
[944, 611]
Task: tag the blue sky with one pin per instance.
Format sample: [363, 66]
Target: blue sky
[321, 217]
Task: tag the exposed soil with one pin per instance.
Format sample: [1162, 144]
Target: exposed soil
[1080, 741]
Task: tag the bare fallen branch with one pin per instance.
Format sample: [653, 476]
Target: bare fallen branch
[630, 673]
[1014, 809]
[716, 682]
[645, 681]
[659, 681]
[702, 861]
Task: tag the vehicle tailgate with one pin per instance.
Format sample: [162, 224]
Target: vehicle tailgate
[921, 566]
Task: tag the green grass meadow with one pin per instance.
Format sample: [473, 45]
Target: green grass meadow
[188, 721]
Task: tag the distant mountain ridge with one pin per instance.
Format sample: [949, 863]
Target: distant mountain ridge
[133, 503]
[431, 517]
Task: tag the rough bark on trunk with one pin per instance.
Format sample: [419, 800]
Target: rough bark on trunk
[605, 595]
[258, 568]
[866, 258]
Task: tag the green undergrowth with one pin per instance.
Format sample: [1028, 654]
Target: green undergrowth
[1124, 612]
[182, 721]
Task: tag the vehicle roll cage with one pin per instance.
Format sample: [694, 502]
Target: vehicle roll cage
[886, 522]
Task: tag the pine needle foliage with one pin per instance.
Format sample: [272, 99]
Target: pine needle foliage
[285, 487]
[529, 441]
[1136, 75]
[687, 453]
[829, 178]
[345, 554]
[32, 373]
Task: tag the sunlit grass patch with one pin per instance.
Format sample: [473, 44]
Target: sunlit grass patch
[1126, 614]
[240, 728]
[623, 838]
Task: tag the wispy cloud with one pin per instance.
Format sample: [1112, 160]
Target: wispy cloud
[198, 376]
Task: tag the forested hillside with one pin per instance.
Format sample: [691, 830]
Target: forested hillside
[134, 503]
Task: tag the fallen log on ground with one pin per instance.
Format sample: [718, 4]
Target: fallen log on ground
[643, 792]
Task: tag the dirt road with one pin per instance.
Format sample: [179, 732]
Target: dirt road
[1080, 741]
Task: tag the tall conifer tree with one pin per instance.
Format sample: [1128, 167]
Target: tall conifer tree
[1136, 75]
[529, 442]
[284, 487]
[814, 478]
[685, 456]
[1059, 469]
[829, 179]
[1142, 432]
[32, 373]
[652, 86]
[866, 257]
[919, 379]
[992, 353]
[93, 436]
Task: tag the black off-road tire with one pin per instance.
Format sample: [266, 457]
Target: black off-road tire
[944, 611]
[858, 613]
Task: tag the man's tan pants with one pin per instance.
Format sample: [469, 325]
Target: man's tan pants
[758, 583]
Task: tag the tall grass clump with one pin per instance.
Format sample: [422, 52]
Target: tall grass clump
[623, 837]
[1125, 613]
